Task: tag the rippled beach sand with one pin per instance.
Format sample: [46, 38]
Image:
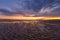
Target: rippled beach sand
[30, 30]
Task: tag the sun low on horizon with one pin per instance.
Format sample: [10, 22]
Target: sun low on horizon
[30, 9]
[30, 17]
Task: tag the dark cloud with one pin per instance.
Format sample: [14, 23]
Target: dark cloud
[37, 7]
[5, 12]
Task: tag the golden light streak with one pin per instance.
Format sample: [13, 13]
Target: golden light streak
[29, 18]
[20, 18]
[51, 18]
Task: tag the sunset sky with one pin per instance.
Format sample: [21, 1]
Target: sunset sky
[30, 7]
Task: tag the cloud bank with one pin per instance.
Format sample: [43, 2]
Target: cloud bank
[30, 7]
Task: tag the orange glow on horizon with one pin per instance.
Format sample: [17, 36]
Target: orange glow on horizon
[52, 18]
[28, 18]
[21, 18]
